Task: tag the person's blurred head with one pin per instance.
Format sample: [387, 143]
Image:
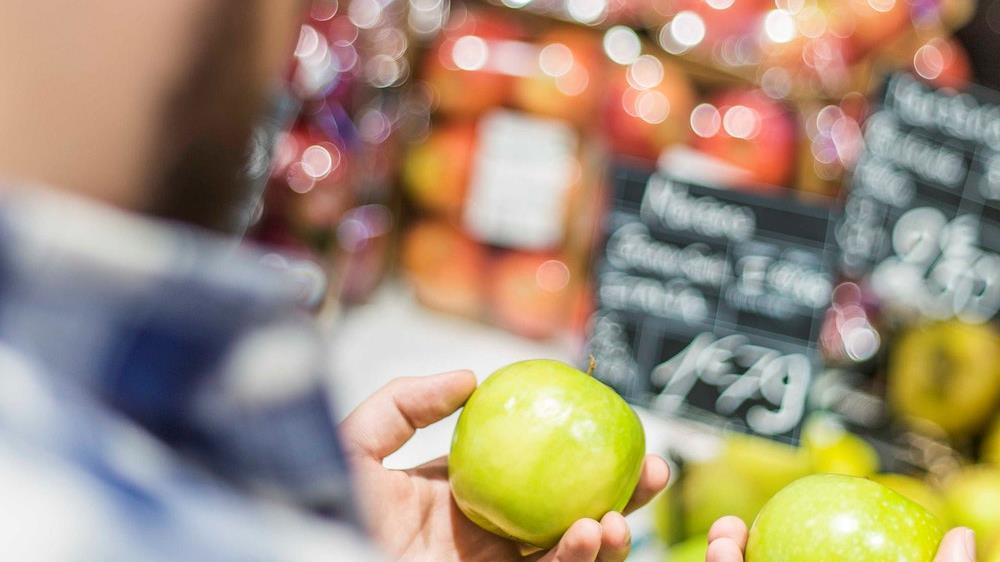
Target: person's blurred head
[146, 105]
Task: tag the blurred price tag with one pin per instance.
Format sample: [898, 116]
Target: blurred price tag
[923, 216]
[521, 176]
[711, 300]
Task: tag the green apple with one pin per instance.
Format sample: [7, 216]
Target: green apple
[948, 374]
[833, 449]
[972, 496]
[915, 490]
[692, 549]
[540, 445]
[838, 518]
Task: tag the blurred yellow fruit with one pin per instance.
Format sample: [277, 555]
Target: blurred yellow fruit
[991, 445]
[834, 450]
[665, 515]
[915, 490]
[768, 465]
[946, 373]
[972, 497]
[710, 490]
[993, 554]
[693, 549]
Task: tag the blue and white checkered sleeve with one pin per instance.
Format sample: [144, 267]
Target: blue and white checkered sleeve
[266, 419]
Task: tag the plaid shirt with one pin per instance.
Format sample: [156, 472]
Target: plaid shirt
[156, 384]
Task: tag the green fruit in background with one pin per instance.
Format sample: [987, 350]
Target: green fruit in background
[993, 555]
[915, 490]
[767, 464]
[666, 515]
[991, 444]
[540, 445]
[710, 490]
[693, 549]
[837, 518]
[834, 450]
[972, 497]
[946, 373]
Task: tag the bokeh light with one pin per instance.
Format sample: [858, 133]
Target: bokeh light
[622, 44]
[470, 52]
[705, 120]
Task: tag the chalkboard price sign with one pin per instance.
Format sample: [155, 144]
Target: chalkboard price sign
[923, 217]
[710, 301]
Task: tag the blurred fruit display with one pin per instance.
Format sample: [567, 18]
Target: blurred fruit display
[464, 69]
[693, 549]
[329, 188]
[991, 444]
[447, 268]
[436, 172]
[947, 374]
[506, 170]
[649, 101]
[749, 130]
[834, 450]
[916, 490]
[972, 497]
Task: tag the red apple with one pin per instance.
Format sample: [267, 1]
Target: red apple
[648, 107]
[566, 80]
[461, 70]
[872, 23]
[529, 293]
[749, 130]
[436, 171]
[446, 268]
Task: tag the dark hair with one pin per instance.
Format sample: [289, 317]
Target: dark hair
[208, 121]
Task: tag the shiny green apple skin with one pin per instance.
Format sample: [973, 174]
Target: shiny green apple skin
[540, 445]
[915, 490]
[837, 518]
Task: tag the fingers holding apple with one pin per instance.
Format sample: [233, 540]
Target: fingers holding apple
[388, 419]
[726, 540]
[958, 545]
[845, 518]
[540, 449]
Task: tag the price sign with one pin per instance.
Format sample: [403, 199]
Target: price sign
[710, 301]
[521, 175]
[923, 216]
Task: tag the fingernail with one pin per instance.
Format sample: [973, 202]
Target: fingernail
[970, 544]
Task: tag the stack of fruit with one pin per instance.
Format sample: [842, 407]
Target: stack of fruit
[331, 175]
[748, 471]
[796, 72]
[503, 183]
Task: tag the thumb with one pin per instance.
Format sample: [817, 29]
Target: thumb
[959, 545]
[390, 417]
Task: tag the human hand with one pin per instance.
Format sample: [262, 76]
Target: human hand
[728, 537]
[411, 513]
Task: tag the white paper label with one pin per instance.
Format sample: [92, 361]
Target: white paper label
[521, 174]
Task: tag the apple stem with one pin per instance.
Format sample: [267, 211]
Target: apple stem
[592, 364]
